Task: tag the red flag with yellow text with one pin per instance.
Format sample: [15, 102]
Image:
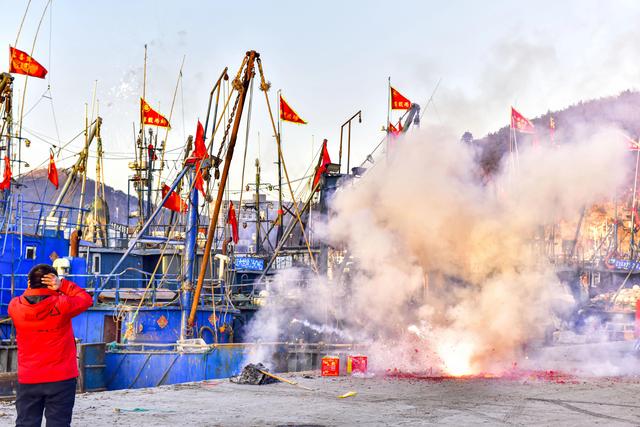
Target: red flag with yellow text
[521, 123]
[21, 63]
[288, 115]
[399, 101]
[151, 116]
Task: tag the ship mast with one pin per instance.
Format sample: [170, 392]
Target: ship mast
[257, 206]
[6, 92]
[242, 87]
[79, 166]
[280, 207]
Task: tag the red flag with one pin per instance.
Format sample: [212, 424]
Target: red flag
[520, 122]
[395, 130]
[151, 116]
[233, 221]
[52, 172]
[21, 63]
[200, 151]
[199, 184]
[288, 115]
[5, 184]
[322, 167]
[632, 144]
[399, 101]
[174, 202]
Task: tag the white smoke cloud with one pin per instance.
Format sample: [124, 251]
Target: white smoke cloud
[447, 276]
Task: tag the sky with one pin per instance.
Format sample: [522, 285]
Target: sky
[329, 58]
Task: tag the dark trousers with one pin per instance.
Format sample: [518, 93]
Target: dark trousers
[55, 399]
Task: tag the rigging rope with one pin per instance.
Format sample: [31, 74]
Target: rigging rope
[246, 143]
[21, 23]
[26, 79]
[166, 135]
[265, 86]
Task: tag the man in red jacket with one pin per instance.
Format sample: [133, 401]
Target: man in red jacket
[47, 366]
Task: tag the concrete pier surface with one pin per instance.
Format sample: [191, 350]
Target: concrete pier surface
[527, 400]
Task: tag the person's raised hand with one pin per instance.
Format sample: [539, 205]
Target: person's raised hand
[51, 281]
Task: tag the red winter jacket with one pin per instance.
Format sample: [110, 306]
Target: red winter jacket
[46, 345]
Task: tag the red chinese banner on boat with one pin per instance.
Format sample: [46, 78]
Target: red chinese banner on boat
[233, 221]
[520, 122]
[5, 184]
[174, 202]
[288, 115]
[632, 144]
[395, 130]
[21, 63]
[52, 171]
[399, 101]
[200, 151]
[322, 167]
[151, 116]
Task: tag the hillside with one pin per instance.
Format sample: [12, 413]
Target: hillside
[622, 111]
[36, 187]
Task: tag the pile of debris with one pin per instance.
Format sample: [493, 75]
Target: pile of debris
[254, 374]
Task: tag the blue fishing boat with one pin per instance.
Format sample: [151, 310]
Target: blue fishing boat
[172, 296]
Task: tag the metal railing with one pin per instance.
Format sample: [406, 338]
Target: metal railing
[132, 285]
[20, 216]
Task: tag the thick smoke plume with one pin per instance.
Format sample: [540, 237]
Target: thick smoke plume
[445, 270]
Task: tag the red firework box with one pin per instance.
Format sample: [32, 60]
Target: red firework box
[356, 364]
[330, 366]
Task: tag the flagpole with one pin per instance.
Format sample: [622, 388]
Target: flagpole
[163, 143]
[24, 90]
[615, 222]
[511, 158]
[511, 150]
[515, 145]
[144, 88]
[142, 144]
[279, 142]
[633, 206]
[514, 130]
[386, 126]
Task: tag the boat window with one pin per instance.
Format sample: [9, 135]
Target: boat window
[30, 252]
[95, 263]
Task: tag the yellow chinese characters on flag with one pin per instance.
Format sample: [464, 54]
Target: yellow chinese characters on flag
[399, 101]
[288, 115]
[21, 63]
[151, 116]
